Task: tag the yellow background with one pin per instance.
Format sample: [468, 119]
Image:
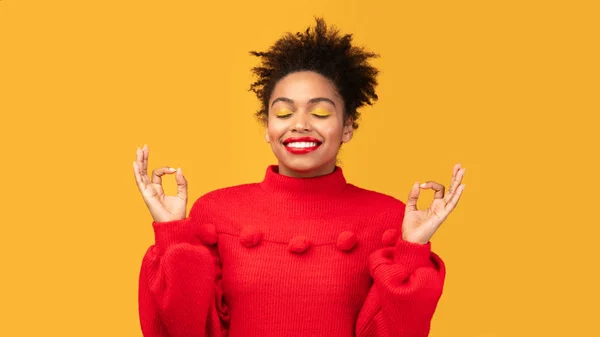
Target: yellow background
[510, 89]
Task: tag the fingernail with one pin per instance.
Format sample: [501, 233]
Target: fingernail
[172, 169]
[423, 184]
[179, 170]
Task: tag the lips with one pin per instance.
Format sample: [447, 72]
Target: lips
[301, 145]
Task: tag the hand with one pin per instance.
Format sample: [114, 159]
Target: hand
[163, 208]
[419, 226]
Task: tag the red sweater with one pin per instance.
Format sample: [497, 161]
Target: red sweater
[289, 257]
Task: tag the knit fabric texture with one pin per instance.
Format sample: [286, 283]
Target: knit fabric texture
[289, 257]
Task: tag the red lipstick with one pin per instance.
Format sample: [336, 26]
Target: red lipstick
[301, 145]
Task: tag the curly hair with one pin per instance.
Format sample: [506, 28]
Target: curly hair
[325, 51]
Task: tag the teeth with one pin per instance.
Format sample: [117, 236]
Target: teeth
[302, 145]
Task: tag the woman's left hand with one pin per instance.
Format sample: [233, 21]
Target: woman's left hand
[420, 225]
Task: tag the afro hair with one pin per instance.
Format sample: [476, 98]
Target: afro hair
[325, 51]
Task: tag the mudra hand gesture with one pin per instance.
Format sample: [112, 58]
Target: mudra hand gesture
[420, 225]
[163, 208]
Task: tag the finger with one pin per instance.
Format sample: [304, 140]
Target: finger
[455, 170]
[455, 198]
[159, 172]
[145, 153]
[456, 181]
[451, 187]
[181, 184]
[413, 197]
[437, 187]
[139, 155]
[139, 158]
[138, 179]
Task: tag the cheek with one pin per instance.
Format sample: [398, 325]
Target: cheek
[275, 129]
[331, 131]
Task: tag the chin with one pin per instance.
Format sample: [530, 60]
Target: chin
[302, 167]
[306, 166]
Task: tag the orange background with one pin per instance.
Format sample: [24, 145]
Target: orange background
[510, 89]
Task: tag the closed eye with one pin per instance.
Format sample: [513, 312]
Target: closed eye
[283, 113]
[321, 113]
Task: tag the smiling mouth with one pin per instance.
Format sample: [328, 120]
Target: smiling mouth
[301, 146]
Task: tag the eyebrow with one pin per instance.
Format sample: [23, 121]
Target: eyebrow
[310, 101]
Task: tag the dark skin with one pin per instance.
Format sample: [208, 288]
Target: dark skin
[162, 207]
[418, 225]
[305, 104]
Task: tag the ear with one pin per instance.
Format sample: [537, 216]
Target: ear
[348, 130]
[267, 138]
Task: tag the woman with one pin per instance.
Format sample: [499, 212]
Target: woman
[303, 252]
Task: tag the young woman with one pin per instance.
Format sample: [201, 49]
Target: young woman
[303, 252]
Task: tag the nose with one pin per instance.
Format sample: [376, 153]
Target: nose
[301, 123]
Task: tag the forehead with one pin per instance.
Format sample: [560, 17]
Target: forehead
[303, 86]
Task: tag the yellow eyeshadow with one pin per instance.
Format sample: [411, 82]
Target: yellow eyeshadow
[320, 112]
[283, 112]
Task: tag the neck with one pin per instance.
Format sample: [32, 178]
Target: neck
[310, 173]
[322, 186]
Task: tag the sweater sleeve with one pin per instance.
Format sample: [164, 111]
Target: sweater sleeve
[407, 284]
[179, 282]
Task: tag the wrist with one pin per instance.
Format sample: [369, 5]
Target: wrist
[415, 239]
[169, 233]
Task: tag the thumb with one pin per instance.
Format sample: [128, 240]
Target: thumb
[413, 196]
[181, 184]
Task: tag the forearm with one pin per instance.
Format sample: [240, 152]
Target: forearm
[178, 280]
[408, 283]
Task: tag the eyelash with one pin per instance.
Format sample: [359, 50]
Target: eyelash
[289, 115]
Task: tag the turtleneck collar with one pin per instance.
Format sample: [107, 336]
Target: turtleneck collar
[322, 185]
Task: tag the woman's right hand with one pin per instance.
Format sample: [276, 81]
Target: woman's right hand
[163, 208]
